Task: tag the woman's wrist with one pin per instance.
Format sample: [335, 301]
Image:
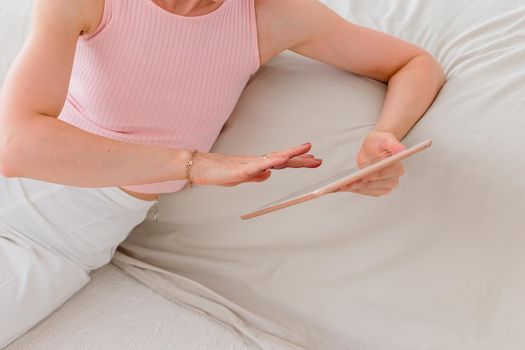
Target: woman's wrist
[399, 134]
[178, 163]
[189, 165]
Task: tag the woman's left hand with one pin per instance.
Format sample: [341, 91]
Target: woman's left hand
[377, 145]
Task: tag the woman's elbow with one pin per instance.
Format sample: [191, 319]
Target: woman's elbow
[5, 155]
[435, 70]
[8, 144]
[423, 66]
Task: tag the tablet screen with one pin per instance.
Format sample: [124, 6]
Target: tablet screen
[316, 186]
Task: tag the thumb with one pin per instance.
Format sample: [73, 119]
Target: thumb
[392, 145]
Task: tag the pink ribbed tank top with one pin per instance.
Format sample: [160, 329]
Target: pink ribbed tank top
[149, 76]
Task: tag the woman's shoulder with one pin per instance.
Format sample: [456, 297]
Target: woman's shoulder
[83, 14]
[282, 24]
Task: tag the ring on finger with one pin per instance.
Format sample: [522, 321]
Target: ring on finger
[264, 156]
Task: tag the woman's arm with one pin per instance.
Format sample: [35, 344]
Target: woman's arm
[411, 90]
[35, 144]
[413, 76]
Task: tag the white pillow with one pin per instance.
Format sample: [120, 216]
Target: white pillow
[14, 27]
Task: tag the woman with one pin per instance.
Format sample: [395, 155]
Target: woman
[112, 103]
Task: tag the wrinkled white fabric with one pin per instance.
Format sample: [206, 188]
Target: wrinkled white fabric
[14, 27]
[116, 312]
[51, 237]
[437, 264]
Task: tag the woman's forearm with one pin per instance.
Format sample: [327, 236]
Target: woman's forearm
[49, 149]
[410, 93]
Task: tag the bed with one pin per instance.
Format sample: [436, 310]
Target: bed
[437, 264]
[116, 312]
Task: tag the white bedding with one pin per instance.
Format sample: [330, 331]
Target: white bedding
[438, 264]
[116, 312]
[14, 27]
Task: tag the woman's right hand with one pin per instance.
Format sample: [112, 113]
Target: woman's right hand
[231, 170]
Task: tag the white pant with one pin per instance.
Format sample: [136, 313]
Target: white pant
[51, 237]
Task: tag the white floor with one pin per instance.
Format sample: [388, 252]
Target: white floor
[115, 312]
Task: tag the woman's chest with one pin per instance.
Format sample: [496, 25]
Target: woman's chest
[273, 34]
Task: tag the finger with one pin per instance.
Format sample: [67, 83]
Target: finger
[353, 187]
[392, 144]
[259, 165]
[386, 146]
[362, 186]
[301, 162]
[394, 170]
[375, 193]
[371, 193]
[364, 161]
[386, 184]
[293, 152]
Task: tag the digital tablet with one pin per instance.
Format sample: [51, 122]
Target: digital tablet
[334, 182]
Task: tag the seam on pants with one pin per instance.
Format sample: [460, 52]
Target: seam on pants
[6, 209]
[94, 220]
[18, 277]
